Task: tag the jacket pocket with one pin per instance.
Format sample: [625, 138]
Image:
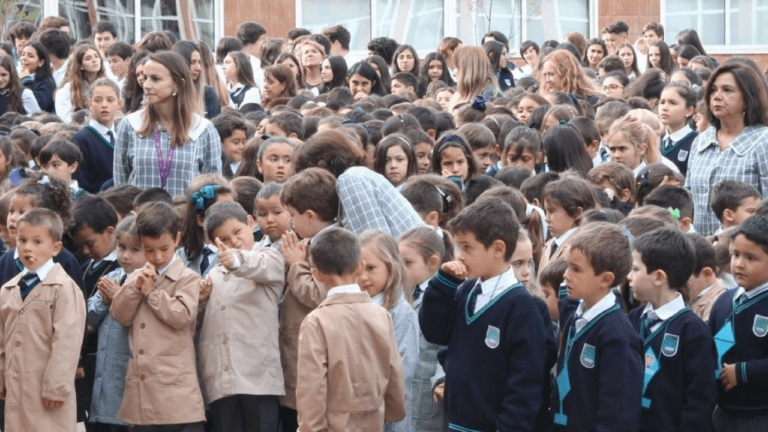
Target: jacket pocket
[168, 370]
[246, 354]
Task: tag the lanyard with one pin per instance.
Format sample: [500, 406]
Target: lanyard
[725, 338]
[163, 165]
[652, 365]
[563, 378]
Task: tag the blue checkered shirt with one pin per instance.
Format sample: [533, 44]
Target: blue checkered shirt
[136, 158]
[745, 159]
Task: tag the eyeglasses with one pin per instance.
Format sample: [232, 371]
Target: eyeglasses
[612, 87]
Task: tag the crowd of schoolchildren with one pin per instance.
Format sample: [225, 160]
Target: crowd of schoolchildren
[451, 242]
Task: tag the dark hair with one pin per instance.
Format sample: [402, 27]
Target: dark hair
[249, 32]
[338, 33]
[649, 85]
[244, 68]
[44, 72]
[380, 154]
[596, 41]
[513, 176]
[520, 139]
[587, 128]
[55, 41]
[616, 27]
[202, 193]
[424, 74]
[448, 140]
[667, 250]
[752, 88]
[15, 88]
[656, 28]
[667, 63]
[105, 26]
[478, 135]
[477, 186]
[671, 197]
[493, 50]
[133, 93]
[572, 194]
[690, 37]
[120, 49]
[246, 189]
[552, 274]
[693, 77]
[611, 63]
[489, 220]
[121, 197]
[226, 124]
[533, 188]
[227, 45]
[67, 151]
[729, 195]
[365, 70]
[430, 192]
[44, 218]
[339, 70]
[221, 212]
[383, 69]
[607, 249]
[398, 51]
[335, 251]
[528, 44]
[312, 189]
[688, 52]
[155, 41]
[151, 195]
[52, 194]
[298, 32]
[703, 252]
[407, 79]
[93, 212]
[384, 47]
[24, 29]
[565, 150]
[157, 218]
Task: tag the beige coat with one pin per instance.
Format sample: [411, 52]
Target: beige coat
[560, 252]
[161, 386]
[703, 305]
[39, 351]
[302, 296]
[350, 375]
[238, 350]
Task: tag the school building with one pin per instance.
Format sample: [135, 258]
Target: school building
[726, 27]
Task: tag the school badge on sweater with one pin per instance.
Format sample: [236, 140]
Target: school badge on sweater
[492, 337]
[760, 326]
[669, 344]
[588, 356]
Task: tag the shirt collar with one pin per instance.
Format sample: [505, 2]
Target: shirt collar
[378, 299]
[112, 256]
[680, 134]
[212, 248]
[668, 310]
[353, 288]
[503, 281]
[560, 240]
[74, 187]
[42, 271]
[165, 269]
[603, 305]
[639, 168]
[100, 128]
[753, 292]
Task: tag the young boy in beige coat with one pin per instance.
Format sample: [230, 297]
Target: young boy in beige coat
[159, 304]
[350, 375]
[42, 323]
[238, 351]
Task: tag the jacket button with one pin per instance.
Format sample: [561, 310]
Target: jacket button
[18, 344]
[141, 352]
[226, 369]
[142, 377]
[223, 308]
[143, 325]
[225, 342]
[21, 312]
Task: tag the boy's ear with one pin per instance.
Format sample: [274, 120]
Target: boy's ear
[626, 194]
[607, 279]
[660, 277]
[727, 216]
[311, 215]
[360, 268]
[708, 272]
[685, 224]
[110, 231]
[293, 135]
[250, 222]
[499, 248]
[579, 212]
[73, 167]
[536, 202]
[432, 133]
[432, 218]
[594, 145]
[497, 149]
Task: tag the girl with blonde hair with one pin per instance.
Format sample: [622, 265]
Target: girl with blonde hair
[474, 76]
[634, 144]
[561, 71]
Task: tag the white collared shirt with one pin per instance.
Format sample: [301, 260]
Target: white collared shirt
[74, 187]
[676, 136]
[603, 305]
[751, 293]
[560, 240]
[112, 256]
[102, 130]
[639, 168]
[353, 288]
[493, 287]
[252, 95]
[42, 271]
[58, 74]
[234, 166]
[162, 271]
[664, 312]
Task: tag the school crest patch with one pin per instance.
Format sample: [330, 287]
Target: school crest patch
[492, 337]
[669, 344]
[682, 155]
[760, 326]
[588, 356]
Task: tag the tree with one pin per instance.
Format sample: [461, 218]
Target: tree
[12, 11]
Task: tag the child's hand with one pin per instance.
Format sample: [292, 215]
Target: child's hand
[206, 285]
[52, 404]
[293, 250]
[360, 96]
[23, 72]
[728, 376]
[107, 288]
[437, 395]
[226, 255]
[145, 281]
[455, 269]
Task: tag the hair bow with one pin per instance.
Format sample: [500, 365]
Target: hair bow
[207, 192]
[644, 182]
[447, 199]
[562, 122]
[479, 103]
[675, 213]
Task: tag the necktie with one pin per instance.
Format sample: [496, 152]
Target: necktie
[742, 299]
[650, 321]
[668, 143]
[205, 262]
[122, 279]
[111, 137]
[417, 292]
[473, 297]
[27, 283]
[553, 249]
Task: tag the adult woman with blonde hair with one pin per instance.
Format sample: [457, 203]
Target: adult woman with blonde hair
[312, 55]
[166, 144]
[562, 72]
[475, 76]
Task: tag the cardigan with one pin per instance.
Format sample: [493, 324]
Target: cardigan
[98, 154]
[43, 91]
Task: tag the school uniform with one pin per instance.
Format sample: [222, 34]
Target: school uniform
[238, 351]
[112, 356]
[97, 143]
[505, 78]
[555, 248]
[28, 101]
[702, 304]
[496, 350]
[204, 263]
[161, 387]
[211, 102]
[600, 371]
[679, 393]
[739, 323]
[329, 356]
[42, 90]
[241, 94]
[10, 266]
[676, 147]
[58, 74]
[407, 333]
[42, 330]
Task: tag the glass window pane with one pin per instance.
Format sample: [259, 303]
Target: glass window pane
[159, 15]
[745, 17]
[414, 22]
[118, 12]
[715, 25]
[76, 11]
[355, 15]
[121, 14]
[504, 17]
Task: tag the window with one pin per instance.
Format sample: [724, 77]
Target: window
[728, 22]
[119, 12]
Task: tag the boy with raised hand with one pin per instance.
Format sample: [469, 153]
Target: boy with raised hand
[678, 391]
[490, 323]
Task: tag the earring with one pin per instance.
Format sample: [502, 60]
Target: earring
[174, 94]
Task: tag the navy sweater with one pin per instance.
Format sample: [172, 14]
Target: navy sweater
[606, 378]
[43, 91]
[98, 155]
[9, 269]
[750, 353]
[680, 152]
[494, 365]
[683, 392]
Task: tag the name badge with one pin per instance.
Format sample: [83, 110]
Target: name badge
[669, 344]
[492, 337]
[588, 356]
[760, 326]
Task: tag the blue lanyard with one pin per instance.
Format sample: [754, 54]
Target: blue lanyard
[651, 359]
[725, 338]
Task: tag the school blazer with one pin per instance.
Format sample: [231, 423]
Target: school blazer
[302, 295]
[350, 375]
[703, 306]
[238, 349]
[41, 338]
[161, 385]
